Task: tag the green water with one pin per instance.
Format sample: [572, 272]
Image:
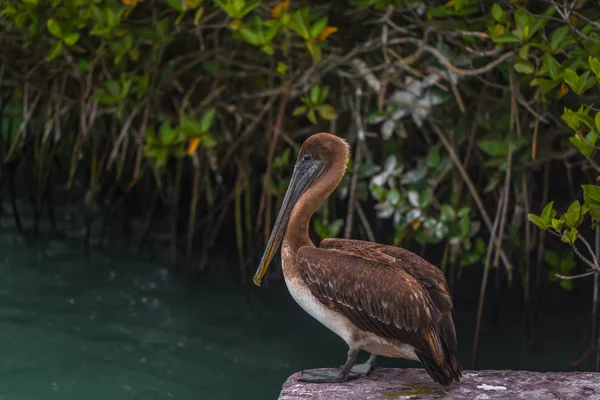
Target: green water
[118, 326]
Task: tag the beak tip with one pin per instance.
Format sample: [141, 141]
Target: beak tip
[257, 281]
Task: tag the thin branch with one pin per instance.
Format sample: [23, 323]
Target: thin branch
[589, 247]
[446, 63]
[471, 186]
[484, 280]
[357, 159]
[577, 252]
[365, 222]
[507, 180]
[575, 276]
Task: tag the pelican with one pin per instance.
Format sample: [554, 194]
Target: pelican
[381, 299]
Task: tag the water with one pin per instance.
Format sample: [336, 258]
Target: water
[116, 326]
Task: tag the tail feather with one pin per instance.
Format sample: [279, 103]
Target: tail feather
[446, 373]
[446, 368]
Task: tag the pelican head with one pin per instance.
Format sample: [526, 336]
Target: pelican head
[321, 165]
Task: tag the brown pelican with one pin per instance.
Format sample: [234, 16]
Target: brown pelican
[381, 299]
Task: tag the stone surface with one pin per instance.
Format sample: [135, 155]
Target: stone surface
[410, 383]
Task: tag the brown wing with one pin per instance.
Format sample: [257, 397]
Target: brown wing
[428, 275]
[411, 302]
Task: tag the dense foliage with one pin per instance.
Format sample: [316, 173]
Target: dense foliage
[464, 116]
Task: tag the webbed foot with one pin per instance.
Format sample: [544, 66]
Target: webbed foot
[367, 367]
[325, 377]
[364, 368]
[329, 376]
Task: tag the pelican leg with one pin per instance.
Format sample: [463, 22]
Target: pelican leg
[331, 376]
[366, 367]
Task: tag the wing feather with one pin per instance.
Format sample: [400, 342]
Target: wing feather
[411, 302]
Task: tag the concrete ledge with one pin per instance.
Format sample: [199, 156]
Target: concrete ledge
[410, 383]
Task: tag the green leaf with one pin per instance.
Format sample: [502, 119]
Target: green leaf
[150, 136]
[587, 81]
[586, 148]
[379, 192]
[334, 227]
[507, 38]
[552, 258]
[319, 228]
[569, 236]
[524, 66]
[545, 85]
[268, 49]
[576, 83]
[327, 112]
[595, 65]
[493, 148]
[249, 7]
[249, 35]
[177, 5]
[594, 210]
[166, 133]
[393, 196]
[438, 12]
[208, 141]
[207, 119]
[314, 94]
[299, 111]
[572, 214]
[161, 155]
[315, 51]
[498, 13]
[71, 38]
[588, 121]
[54, 51]
[591, 196]
[298, 23]
[112, 17]
[567, 263]
[312, 117]
[557, 224]
[425, 197]
[271, 28]
[198, 14]
[537, 221]
[571, 78]
[323, 94]
[551, 65]
[597, 121]
[582, 212]
[558, 36]
[547, 212]
[54, 28]
[318, 27]
[567, 284]
[465, 226]
[524, 52]
[464, 211]
[521, 19]
[281, 68]
[189, 126]
[536, 26]
[571, 118]
[238, 5]
[433, 158]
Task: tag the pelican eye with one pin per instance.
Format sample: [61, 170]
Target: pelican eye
[307, 157]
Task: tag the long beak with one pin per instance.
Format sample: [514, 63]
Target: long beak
[300, 181]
